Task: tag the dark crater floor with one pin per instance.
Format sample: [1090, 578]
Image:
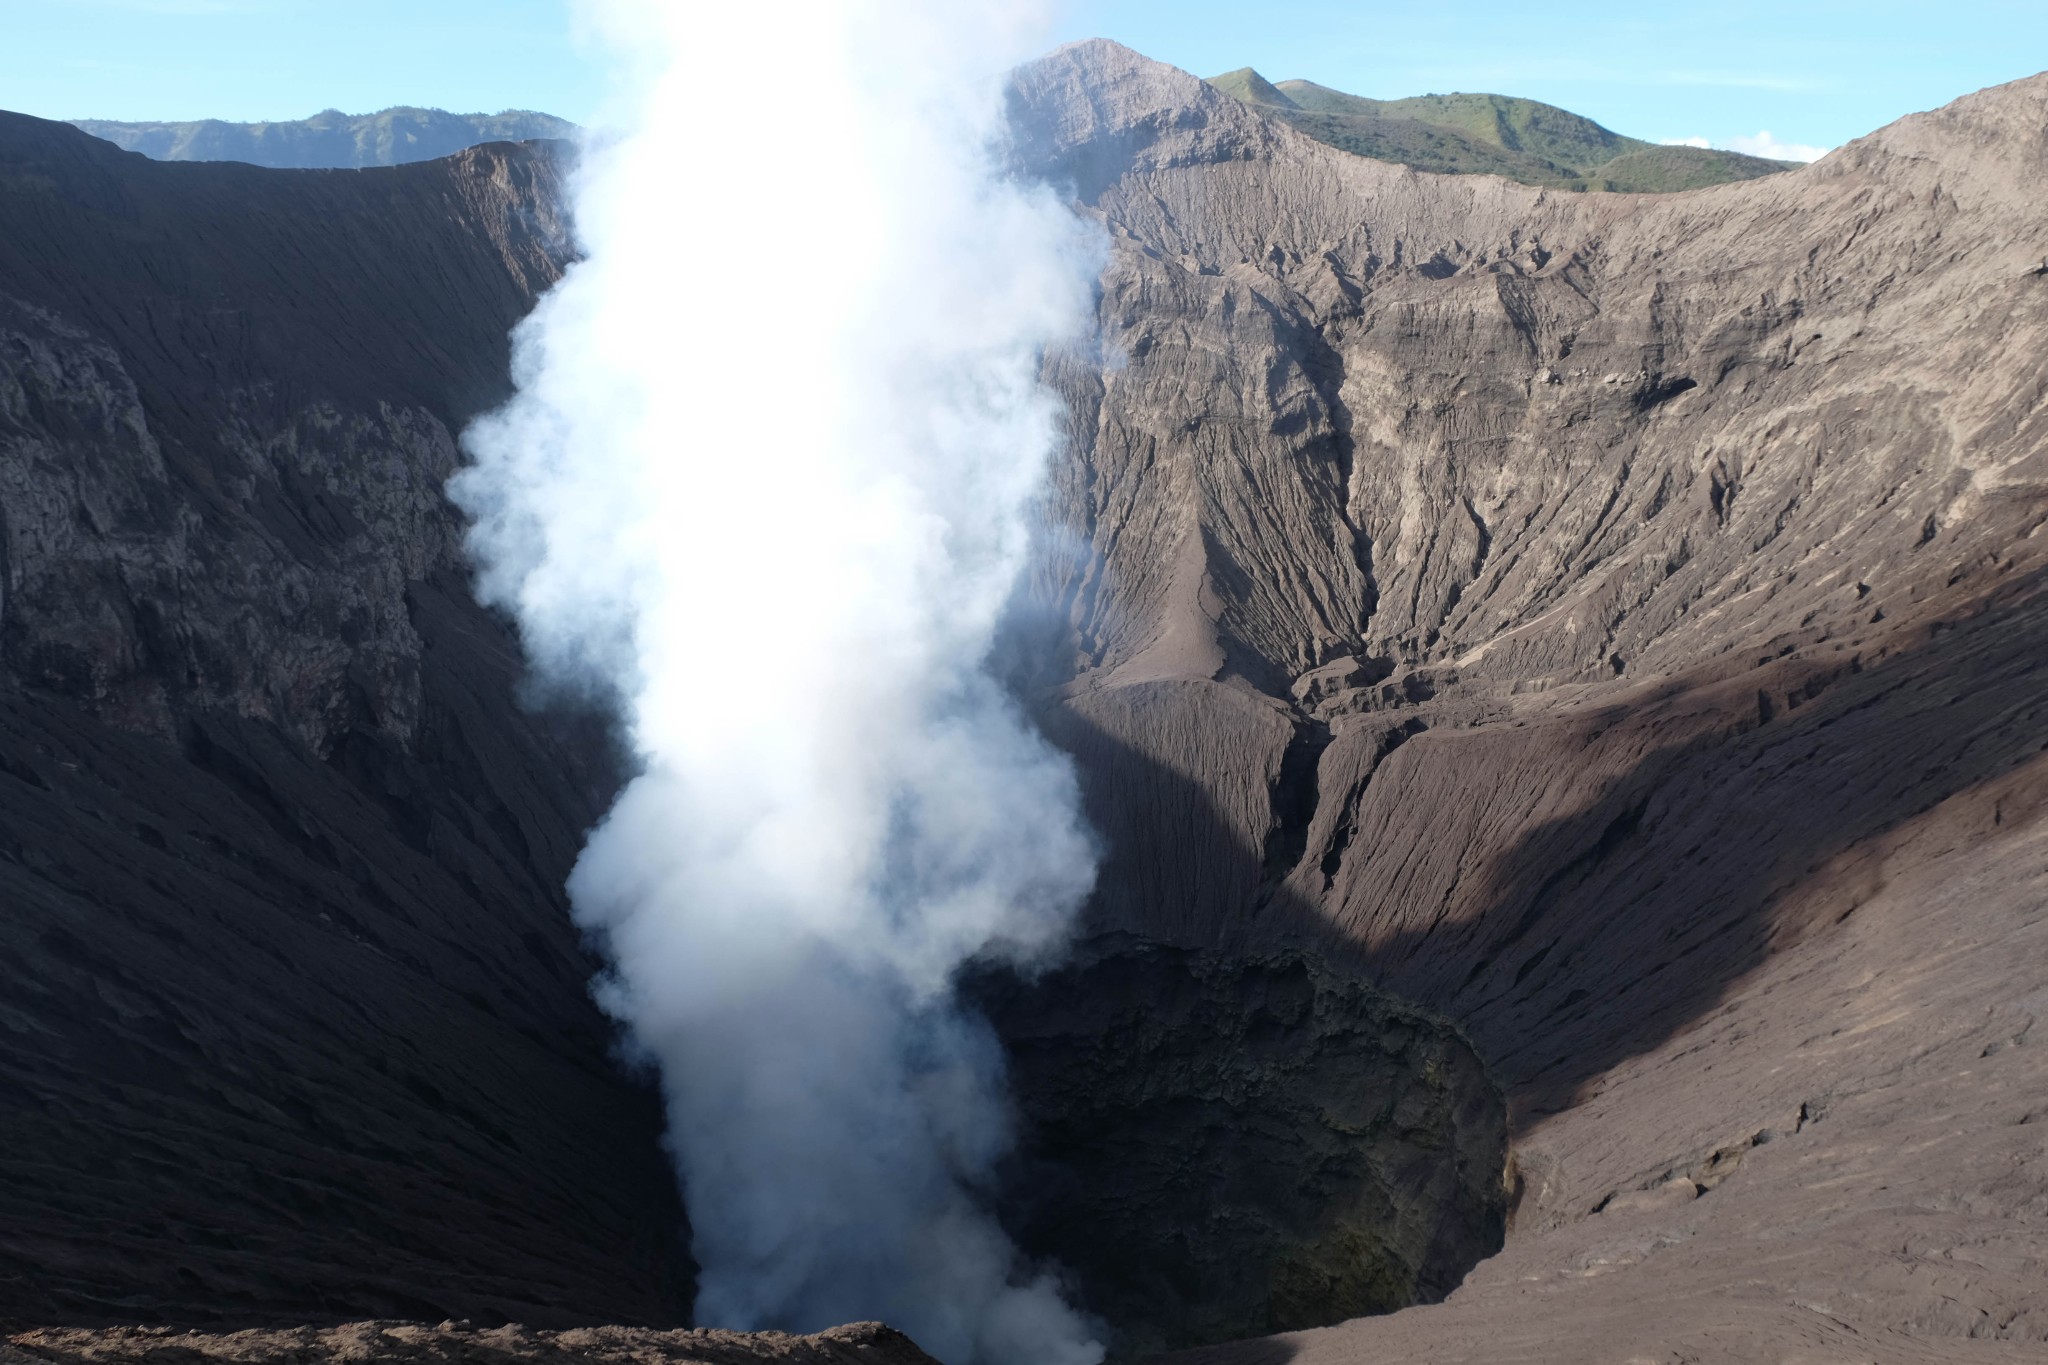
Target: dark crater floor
[1219, 1147]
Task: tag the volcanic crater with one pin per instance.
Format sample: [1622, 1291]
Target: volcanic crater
[1556, 677]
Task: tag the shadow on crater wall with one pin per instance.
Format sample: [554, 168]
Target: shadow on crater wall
[1573, 889]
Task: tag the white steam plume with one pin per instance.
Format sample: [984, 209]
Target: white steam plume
[766, 484]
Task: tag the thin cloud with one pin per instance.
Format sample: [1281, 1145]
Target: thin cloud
[1764, 144]
[190, 8]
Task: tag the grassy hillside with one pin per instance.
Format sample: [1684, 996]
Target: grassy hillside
[1683, 168]
[330, 138]
[1249, 86]
[1540, 130]
[1537, 144]
[1425, 146]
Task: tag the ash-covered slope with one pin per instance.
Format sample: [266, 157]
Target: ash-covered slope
[1616, 622]
[293, 1024]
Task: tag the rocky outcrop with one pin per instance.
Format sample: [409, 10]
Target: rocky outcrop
[463, 1343]
[293, 1025]
[1558, 609]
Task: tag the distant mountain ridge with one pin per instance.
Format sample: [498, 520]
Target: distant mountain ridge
[330, 138]
[1535, 143]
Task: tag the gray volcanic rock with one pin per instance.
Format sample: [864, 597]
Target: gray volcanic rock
[1455, 424]
[329, 139]
[1595, 618]
[293, 1024]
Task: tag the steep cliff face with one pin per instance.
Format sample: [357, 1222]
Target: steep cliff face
[1559, 609]
[295, 1025]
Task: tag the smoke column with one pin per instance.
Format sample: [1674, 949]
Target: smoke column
[765, 487]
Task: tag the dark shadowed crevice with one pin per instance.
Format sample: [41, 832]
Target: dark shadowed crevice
[1347, 827]
[1295, 794]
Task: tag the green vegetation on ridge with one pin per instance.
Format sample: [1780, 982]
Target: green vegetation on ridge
[1535, 143]
[1248, 85]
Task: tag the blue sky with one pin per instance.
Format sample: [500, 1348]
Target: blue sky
[1814, 72]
